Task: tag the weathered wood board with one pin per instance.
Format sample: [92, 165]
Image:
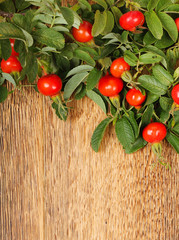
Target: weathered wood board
[54, 186]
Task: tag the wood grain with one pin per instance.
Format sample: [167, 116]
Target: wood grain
[53, 186]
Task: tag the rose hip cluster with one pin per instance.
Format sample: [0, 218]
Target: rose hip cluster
[12, 64]
[111, 84]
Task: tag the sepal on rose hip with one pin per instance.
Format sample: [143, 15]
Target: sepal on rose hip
[115, 101]
[127, 77]
[157, 150]
[154, 133]
[60, 107]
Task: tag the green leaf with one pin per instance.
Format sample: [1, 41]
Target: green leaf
[7, 6]
[106, 50]
[124, 37]
[110, 2]
[169, 25]
[22, 50]
[85, 3]
[73, 83]
[97, 99]
[163, 115]
[79, 69]
[62, 63]
[28, 37]
[80, 93]
[50, 38]
[147, 115]
[22, 21]
[93, 78]
[26, 24]
[152, 4]
[105, 62]
[164, 42]
[143, 3]
[67, 51]
[152, 85]
[162, 4]
[176, 73]
[60, 110]
[173, 140]
[77, 20]
[30, 70]
[21, 4]
[130, 58]
[176, 117]
[8, 30]
[5, 48]
[60, 29]
[134, 123]
[138, 144]
[109, 23]
[117, 14]
[48, 19]
[68, 15]
[162, 75]
[9, 78]
[98, 28]
[156, 50]
[154, 24]
[125, 133]
[166, 103]
[105, 99]
[93, 53]
[99, 133]
[149, 38]
[151, 98]
[101, 3]
[2, 79]
[149, 58]
[172, 56]
[173, 7]
[3, 93]
[176, 128]
[82, 55]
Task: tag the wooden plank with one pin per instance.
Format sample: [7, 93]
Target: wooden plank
[54, 186]
[21, 154]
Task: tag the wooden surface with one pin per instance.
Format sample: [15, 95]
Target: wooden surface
[55, 187]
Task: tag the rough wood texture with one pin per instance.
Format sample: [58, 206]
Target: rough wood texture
[53, 186]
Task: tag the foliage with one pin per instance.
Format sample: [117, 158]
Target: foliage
[42, 30]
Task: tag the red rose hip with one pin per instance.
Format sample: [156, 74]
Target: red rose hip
[119, 66]
[10, 65]
[13, 53]
[49, 85]
[132, 19]
[83, 33]
[177, 23]
[175, 94]
[154, 132]
[134, 97]
[110, 86]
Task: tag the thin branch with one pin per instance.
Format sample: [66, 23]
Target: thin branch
[5, 14]
[8, 15]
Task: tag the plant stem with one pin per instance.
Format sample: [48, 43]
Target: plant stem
[8, 15]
